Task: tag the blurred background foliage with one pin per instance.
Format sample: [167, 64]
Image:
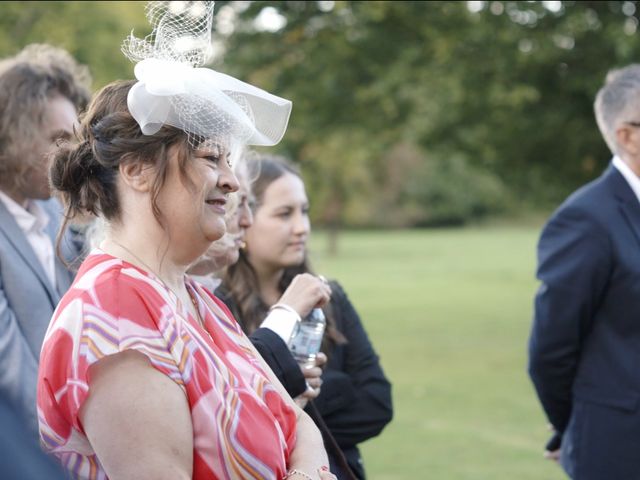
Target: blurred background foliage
[405, 113]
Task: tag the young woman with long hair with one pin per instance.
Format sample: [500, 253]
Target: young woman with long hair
[355, 399]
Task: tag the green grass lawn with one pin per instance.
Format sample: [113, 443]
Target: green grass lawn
[449, 313]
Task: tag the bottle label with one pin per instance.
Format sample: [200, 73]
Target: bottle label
[306, 344]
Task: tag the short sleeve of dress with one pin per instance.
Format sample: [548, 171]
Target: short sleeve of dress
[122, 310]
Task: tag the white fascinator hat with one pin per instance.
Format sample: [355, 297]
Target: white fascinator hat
[173, 88]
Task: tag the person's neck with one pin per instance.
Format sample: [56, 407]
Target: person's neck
[15, 195]
[268, 280]
[147, 254]
[632, 163]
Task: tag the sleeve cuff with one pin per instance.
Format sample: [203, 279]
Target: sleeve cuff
[282, 322]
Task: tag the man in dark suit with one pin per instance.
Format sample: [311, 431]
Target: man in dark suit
[41, 90]
[584, 348]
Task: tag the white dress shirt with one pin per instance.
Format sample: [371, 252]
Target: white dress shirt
[33, 220]
[282, 322]
[628, 174]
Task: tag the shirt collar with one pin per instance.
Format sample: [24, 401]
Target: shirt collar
[29, 216]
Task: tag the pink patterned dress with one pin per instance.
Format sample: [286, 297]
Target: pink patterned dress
[242, 427]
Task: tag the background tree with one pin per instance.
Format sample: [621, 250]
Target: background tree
[405, 113]
[91, 31]
[498, 92]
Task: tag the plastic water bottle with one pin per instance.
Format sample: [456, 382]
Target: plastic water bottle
[305, 344]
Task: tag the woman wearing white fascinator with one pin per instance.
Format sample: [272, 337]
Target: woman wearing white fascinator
[144, 374]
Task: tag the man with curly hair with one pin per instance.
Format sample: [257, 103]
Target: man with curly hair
[42, 88]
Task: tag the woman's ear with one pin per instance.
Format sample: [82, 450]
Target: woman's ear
[138, 176]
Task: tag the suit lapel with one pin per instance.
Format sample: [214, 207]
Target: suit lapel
[63, 276]
[628, 202]
[10, 229]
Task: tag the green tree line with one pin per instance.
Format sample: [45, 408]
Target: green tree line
[405, 113]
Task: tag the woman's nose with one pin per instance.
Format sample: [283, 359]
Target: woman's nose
[245, 217]
[301, 225]
[227, 180]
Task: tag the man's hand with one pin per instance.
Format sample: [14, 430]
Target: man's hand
[552, 449]
[552, 455]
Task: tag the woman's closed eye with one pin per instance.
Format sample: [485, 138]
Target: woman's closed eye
[216, 158]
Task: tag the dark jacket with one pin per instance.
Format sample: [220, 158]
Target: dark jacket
[355, 398]
[584, 345]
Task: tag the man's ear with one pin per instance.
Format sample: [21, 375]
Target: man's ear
[138, 176]
[628, 139]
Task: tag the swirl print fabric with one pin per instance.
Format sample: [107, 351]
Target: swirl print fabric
[242, 426]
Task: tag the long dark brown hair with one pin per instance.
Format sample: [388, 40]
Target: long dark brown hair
[240, 283]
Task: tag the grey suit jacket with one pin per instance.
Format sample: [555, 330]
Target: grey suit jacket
[27, 302]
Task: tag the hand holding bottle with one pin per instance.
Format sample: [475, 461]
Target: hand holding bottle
[313, 376]
[306, 292]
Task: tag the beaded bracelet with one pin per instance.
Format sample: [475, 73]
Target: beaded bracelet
[290, 473]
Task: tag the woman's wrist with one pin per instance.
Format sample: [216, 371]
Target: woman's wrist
[285, 307]
[295, 474]
[282, 320]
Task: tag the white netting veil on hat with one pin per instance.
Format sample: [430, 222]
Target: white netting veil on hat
[172, 89]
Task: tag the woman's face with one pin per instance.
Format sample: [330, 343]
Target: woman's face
[278, 237]
[226, 251]
[194, 207]
[240, 221]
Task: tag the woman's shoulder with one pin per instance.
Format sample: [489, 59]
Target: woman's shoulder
[108, 289]
[338, 294]
[100, 268]
[344, 311]
[113, 270]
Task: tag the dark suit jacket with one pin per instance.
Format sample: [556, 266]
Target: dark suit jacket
[27, 302]
[355, 398]
[584, 348]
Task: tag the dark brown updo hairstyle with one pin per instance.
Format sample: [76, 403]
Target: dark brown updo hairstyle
[84, 174]
[240, 282]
